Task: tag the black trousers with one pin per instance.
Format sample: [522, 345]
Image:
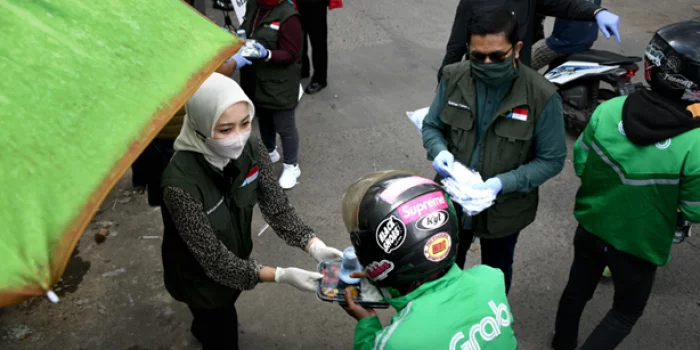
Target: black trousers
[497, 253]
[314, 22]
[283, 123]
[216, 328]
[632, 277]
[148, 168]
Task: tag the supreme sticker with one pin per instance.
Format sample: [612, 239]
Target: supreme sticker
[378, 271]
[391, 234]
[422, 205]
[438, 247]
[432, 221]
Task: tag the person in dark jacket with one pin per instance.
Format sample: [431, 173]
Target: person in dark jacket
[568, 37]
[210, 187]
[314, 21]
[526, 14]
[273, 80]
[499, 117]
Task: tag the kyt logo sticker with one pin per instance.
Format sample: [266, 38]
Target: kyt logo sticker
[438, 247]
[391, 234]
[378, 271]
[432, 221]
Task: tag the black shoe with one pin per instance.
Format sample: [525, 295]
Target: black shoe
[315, 87]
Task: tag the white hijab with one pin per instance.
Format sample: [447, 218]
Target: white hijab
[203, 110]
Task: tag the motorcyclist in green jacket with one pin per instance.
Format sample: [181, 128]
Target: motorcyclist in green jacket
[405, 232]
[638, 160]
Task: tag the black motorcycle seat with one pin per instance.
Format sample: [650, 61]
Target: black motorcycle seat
[601, 57]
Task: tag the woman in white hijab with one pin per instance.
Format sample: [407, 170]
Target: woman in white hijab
[217, 175]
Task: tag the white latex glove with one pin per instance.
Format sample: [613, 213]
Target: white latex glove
[321, 252]
[301, 279]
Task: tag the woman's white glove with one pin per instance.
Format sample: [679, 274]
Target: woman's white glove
[301, 279]
[321, 252]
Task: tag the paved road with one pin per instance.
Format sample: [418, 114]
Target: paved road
[384, 55]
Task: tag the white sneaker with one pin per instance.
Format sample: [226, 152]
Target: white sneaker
[275, 156]
[289, 176]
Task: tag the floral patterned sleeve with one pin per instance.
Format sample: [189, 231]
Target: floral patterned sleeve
[275, 206]
[219, 263]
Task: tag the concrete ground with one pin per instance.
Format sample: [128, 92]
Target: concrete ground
[383, 59]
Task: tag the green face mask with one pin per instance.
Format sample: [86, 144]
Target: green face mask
[495, 73]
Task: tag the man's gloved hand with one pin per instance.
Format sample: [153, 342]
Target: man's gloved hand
[608, 23]
[301, 279]
[494, 184]
[240, 60]
[321, 252]
[443, 162]
[263, 51]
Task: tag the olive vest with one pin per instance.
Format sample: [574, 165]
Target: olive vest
[505, 146]
[228, 199]
[270, 85]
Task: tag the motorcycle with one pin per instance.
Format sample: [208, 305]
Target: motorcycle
[579, 77]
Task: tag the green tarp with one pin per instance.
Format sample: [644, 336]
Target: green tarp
[84, 87]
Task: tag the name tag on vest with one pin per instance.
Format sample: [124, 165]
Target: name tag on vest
[458, 105]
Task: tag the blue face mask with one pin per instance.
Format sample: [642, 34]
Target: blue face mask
[496, 73]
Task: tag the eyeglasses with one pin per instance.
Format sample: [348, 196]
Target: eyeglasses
[495, 57]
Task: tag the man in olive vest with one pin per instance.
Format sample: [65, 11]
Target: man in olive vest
[504, 120]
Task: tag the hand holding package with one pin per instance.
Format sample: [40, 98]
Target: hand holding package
[461, 187]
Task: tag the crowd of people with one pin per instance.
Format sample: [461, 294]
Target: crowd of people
[637, 160]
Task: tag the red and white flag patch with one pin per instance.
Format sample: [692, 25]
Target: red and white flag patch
[275, 25]
[520, 114]
[252, 175]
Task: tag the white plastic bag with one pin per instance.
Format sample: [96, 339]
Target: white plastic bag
[459, 186]
[417, 116]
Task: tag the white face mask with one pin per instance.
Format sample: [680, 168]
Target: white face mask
[230, 147]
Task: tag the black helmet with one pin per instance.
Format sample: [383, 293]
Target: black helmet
[672, 61]
[403, 227]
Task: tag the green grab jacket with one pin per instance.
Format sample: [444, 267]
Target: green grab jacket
[459, 310]
[629, 194]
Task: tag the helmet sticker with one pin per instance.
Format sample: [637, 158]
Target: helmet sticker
[396, 187]
[422, 205]
[377, 271]
[693, 96]
[433, 220]
[437, 248]
[391, 233]
[654, 54]
[679, 80]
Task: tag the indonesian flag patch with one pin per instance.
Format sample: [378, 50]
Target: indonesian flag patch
[275, 25]
[520, 113]
[252, 175]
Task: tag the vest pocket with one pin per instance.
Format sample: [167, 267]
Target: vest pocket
[460, 123]
[511, 213]
[513, 138]
[246, 196]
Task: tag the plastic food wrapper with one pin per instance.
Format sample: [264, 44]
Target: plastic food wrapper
[417, 116]
[332, 288]
[459, 186]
